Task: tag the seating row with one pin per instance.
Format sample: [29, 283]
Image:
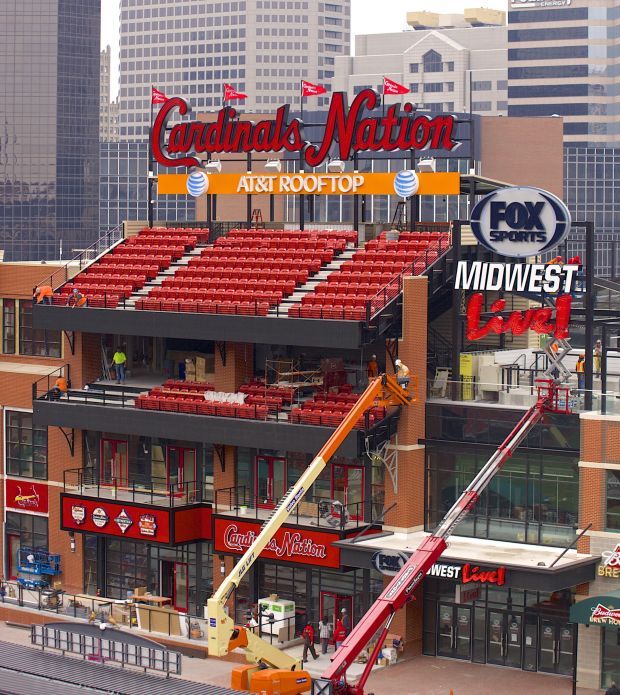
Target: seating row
[341, 312]
[244, 308]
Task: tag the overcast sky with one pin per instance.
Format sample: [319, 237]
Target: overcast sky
[364, 18]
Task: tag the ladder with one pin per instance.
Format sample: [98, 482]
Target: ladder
[257, 219]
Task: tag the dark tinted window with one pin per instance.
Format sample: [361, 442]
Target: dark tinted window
[551, 34]
[548, 90]
[547, 53]
[559, 15]
[535, 72]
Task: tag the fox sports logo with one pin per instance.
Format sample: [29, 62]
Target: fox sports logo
[520, 221]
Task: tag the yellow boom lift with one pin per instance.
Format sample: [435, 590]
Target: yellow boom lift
[270, 670]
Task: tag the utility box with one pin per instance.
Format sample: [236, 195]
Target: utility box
[283, 614]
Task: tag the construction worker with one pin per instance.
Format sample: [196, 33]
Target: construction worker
[43, 294]
[76, 298]
[402, 373]
[119, 360]
[372, 368]
[598, 355]
[580, 367]
[60, 387]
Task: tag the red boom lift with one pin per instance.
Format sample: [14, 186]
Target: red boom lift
[551, 398]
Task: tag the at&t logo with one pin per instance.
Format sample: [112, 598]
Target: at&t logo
[520, 221]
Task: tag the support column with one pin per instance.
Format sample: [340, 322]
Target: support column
[234, 365]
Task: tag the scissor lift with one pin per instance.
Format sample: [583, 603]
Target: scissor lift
[38, 564]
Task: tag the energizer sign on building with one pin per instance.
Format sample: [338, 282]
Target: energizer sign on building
[520, 221]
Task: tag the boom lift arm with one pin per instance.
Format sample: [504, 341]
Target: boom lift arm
[223, 635]
[401, 589]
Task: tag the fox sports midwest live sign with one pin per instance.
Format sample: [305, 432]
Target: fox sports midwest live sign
[520, 221]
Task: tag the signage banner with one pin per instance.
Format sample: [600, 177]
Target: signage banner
[114, 519]
[315, 184]
[288, 544]
[527, 4]
[469, 573]
[26, 496]
[610, 564]
[348, 129]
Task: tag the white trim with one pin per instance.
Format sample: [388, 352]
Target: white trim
[600, 466]
[407, 447]
[602, 534]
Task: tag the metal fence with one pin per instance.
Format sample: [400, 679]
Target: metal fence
[104, 648]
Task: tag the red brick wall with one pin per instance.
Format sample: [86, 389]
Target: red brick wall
[239, 367]
[409, 510]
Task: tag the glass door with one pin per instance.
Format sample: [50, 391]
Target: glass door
[557, 644]
[12, 543]
[454, 632]
[505, 638]
[180, 468]
[331, 605]
[270, 480]
[180, 587]
[348, 488]
[114, 467]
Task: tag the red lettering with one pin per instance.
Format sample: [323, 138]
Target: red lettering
[344, 126]
[473, 574]
[537, 320]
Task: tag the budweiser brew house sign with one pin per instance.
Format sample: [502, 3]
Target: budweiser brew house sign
[352, 128]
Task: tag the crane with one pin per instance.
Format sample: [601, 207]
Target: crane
[551, 398]
[269, 669]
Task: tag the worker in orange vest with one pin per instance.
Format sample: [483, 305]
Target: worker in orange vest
[76, 298]
[43, 294]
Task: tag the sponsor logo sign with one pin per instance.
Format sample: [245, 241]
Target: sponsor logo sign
[23, 495]
[100, 517]
[292, 545]
[526, 4]
[389, 562]
[78, 513]
[440, 183]
[520, 221]
[147, 525]
[610, 564]
[123, 521]
[605, 616]
[347, 129]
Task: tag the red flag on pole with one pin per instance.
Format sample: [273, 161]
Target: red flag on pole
[391, 87]
[232, 93]
[157, 97]
[311, 90]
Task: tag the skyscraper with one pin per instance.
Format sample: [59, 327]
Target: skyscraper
[108, 108]
[564, 60]
[190, 48]
[49, 127]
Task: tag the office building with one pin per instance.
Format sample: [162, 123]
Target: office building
[49, 125]
[123, 188]
[263, 48]
[562, 60]
[448, 62]
[108, 108]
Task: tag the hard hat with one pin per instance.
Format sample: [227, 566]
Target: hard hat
[374, 357]
[582, 356]
[38, 290]
[397, 362]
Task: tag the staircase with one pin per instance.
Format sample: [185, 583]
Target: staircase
[312, 282]
[130, 302]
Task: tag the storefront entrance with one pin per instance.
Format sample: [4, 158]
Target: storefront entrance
[455, 631]
[270, 480]
[557, 643]
[174, 583]
[504, 635]
[514, 628]
[348, 488]
[332, 605]
[114, 468]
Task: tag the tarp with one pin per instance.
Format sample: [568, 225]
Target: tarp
[597, 610]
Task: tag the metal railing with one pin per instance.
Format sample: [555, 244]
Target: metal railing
[394, 287]
[323, 512]
[106, 648]
[43, 387]
[154, 491]
[103, 609]
[103, 244]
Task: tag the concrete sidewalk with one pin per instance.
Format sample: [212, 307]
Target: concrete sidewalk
[420, 676]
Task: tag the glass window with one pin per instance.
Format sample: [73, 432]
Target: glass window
[35, 341]
[26, 446]
[611, 656]
[612, 521]
[432, 62]
[481, 85]
[31, 529]
[8, 326]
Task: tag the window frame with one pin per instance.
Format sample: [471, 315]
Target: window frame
[6, 302]
[50, 341]
[22, 462]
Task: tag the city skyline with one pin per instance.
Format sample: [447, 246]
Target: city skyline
[363, 21]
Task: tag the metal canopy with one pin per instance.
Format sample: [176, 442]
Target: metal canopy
[480, 185]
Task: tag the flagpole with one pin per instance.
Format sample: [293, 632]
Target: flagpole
[301, 99]
[149, 186]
